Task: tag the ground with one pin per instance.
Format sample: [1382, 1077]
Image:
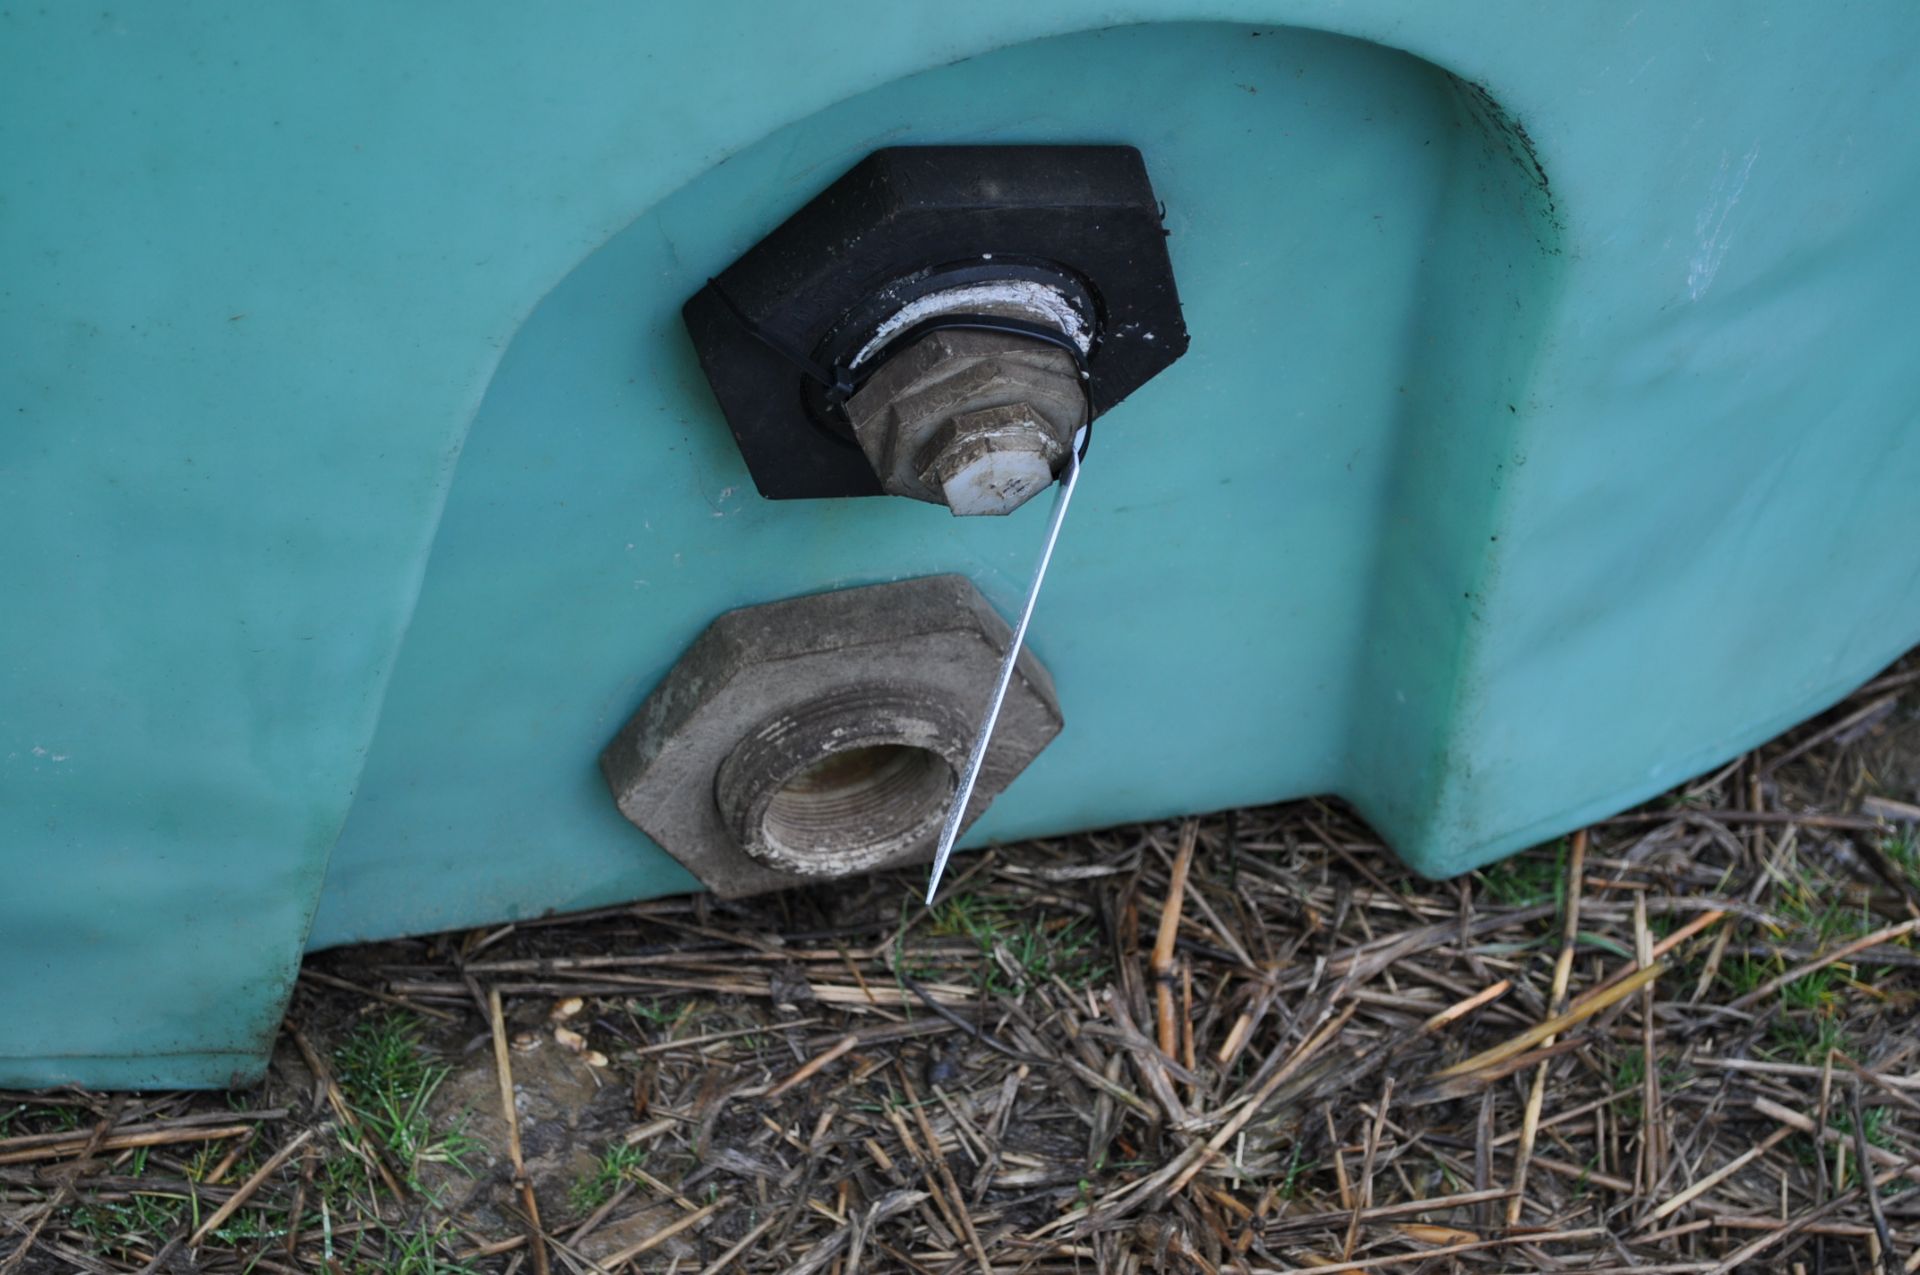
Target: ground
[1686, 1039]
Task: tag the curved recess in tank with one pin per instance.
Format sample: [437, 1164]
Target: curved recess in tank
[1367, 249]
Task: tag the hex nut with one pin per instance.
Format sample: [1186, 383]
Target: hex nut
[821, 736]
[1008, 393]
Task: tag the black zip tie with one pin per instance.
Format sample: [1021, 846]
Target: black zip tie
[838, 382]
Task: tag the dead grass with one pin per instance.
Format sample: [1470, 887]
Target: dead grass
[1687, 1039]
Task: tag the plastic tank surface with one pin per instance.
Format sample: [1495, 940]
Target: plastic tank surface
[1547, 435]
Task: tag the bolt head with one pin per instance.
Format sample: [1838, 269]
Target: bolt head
[993, 461]
[936, 409]
[997, 483]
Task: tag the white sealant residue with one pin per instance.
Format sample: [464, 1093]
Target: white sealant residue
[1015, 298]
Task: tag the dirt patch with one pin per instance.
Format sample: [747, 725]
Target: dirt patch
[567, 1109]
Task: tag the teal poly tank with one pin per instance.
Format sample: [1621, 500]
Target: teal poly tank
[1546, 433]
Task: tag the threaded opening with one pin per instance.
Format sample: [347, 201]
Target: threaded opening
[844, 782]
[859, 799]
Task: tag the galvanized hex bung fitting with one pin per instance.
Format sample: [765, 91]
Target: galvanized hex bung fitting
[821, 736]
[977, 421]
